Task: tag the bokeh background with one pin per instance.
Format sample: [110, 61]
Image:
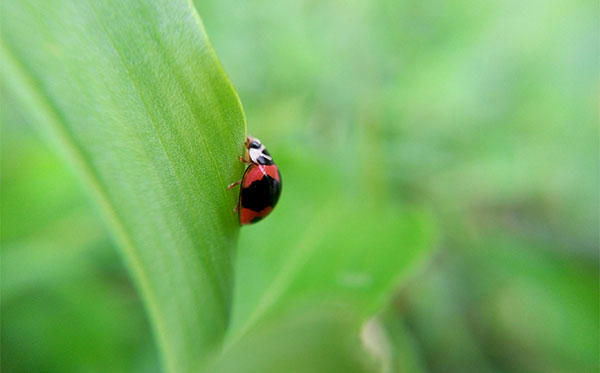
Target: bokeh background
[483, 115]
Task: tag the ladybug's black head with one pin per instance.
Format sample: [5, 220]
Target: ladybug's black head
[257, 152]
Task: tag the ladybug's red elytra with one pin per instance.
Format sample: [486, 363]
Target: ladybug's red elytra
[260, 186]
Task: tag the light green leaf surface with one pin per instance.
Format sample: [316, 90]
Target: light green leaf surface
[135, 97]
[133, 94]
[316, 338]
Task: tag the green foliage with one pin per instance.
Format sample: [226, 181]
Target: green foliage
[134, 96]
[470, 127]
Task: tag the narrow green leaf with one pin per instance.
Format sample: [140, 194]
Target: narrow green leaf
[134, 96]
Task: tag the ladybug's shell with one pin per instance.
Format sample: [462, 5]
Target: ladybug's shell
[259, 192]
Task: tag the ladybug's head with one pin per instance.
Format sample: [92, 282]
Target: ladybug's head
[257, 152]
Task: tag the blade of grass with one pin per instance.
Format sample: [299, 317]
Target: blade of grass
[134, 97]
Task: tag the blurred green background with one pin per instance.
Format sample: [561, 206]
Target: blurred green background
[481, 115]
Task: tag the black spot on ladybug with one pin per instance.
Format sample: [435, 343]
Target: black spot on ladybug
[258, 218]
[264, 160]
[261, 193]
[254, 145]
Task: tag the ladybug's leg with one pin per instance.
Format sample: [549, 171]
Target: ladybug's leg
[244, 160]
[230, 186]
[236, 208]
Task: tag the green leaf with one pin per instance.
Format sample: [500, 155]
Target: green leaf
[134, 96]
[346, 246]
[305, 338]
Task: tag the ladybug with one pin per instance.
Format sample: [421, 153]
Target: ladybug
[260, 186]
